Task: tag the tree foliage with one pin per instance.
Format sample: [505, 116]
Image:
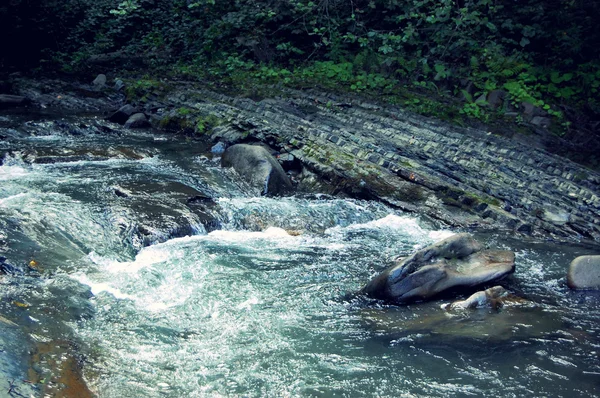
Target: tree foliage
[538, 50]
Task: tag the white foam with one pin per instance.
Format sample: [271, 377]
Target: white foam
[8, 172]
[240, 236]
[99, 287]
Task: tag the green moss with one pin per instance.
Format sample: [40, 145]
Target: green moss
[184, 111]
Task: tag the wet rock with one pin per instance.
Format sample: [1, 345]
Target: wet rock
[12, 101]
[494, 297]
[123, 114]
[7, 268]
[257, 167]
[119, 85]
[218, 148]
[555, 215]
[456, 262]
[137, 121]
[99, 81]
[584, 273]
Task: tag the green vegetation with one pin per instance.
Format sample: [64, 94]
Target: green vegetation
[441, 58]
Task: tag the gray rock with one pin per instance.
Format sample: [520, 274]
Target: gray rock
[541, 121]
[494, 297]
[122, 115]
[555, 215]
[496, 98]
[136, 121]
[99, 81]
[218, 148]
[257, 167]
[455, 262]
[11, 101]
[584, 273]
[119, 85]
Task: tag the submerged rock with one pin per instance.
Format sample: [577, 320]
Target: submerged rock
[257, 167]
[433, 324]
[218, 148]
[584, 273]
[453, 263]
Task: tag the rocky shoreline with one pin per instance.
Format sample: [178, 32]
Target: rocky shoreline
[465, 178]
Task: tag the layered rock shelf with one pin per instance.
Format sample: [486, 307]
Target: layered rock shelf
[461, 176]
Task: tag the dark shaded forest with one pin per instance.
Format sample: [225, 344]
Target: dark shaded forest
[543, 53]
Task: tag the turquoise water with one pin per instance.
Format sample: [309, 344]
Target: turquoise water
[157, 302]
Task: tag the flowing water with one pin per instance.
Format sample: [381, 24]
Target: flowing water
[121, 265]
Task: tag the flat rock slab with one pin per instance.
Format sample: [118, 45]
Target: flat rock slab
[453, 263]
[584, 273]
[11, 101]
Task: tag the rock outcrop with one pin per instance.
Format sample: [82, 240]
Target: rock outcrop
[256, 165]
[584, 273]
[455, 262]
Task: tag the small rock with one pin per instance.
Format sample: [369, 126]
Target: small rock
[526, 229]
[486, 298]
[584, 273]
[99, 81]
[119, 85]
[218, 148]
[136, 121]
[122, 115]
[541, 121]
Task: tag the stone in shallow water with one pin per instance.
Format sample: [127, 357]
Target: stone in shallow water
[453, 263]
[122, 114]
[584, 273]
[258, 168]
[494, 297]
[137, 120]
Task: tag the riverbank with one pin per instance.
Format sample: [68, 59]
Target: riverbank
[466, 178]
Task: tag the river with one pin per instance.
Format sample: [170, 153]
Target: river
[148, 270]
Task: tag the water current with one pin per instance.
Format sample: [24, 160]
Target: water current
[164, 275]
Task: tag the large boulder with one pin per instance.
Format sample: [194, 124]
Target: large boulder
[256, 165]
[455, 262]
[584, 273]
